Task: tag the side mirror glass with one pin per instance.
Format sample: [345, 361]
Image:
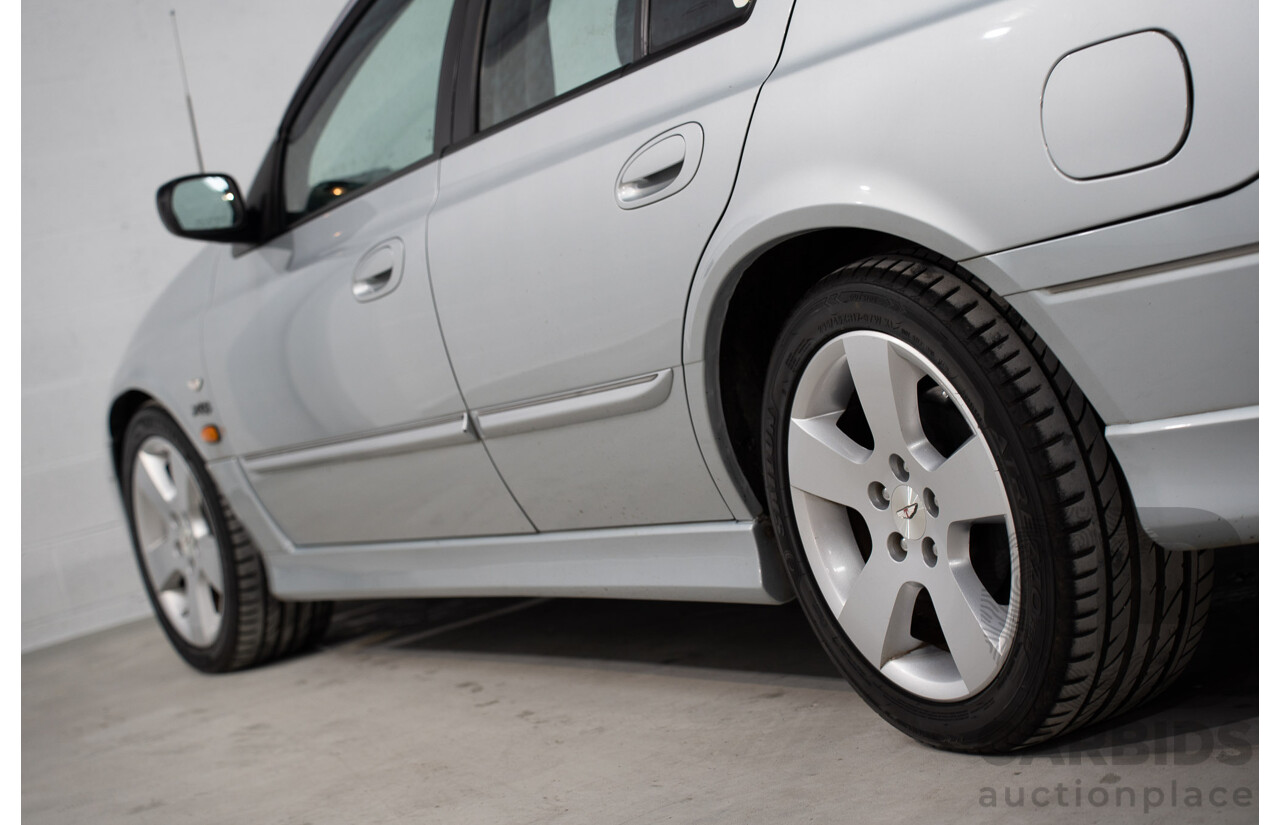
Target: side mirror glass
[206, 207]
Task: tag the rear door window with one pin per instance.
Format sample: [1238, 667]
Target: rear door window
[673, 21]
[536, 50]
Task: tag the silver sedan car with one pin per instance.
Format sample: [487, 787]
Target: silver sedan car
[939, 317]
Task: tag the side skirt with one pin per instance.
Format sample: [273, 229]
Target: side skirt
[728, 561]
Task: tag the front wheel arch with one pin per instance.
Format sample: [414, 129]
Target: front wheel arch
[123, 409]
[252, 626]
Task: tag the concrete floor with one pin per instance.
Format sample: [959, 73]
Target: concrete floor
[523, 711]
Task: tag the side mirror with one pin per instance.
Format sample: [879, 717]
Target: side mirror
[204, 207]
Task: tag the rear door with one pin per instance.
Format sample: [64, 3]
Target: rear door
[324, 354]
[600, 140]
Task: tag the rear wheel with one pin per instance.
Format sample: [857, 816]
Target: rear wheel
[204, 577]
[953, 522]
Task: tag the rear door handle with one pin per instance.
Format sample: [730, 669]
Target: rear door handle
[660, 168]
[379, 271]
[653, 169]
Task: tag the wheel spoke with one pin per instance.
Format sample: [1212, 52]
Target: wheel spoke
[886, 384]
[154, 483]
[178, 549]
[824, 461]
[162, 564]
[186, 498]
[967, 485]
[209, 561]
[966, 611]
[201, 612]
[877, 614]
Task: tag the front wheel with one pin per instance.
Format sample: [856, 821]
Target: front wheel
[202, 573]
[952, 520]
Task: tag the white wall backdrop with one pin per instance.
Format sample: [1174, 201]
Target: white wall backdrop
[104, 123]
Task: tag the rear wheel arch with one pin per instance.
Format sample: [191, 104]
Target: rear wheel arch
[750, 307]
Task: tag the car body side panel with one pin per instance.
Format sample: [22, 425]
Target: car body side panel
[613, 468]
[1194, 478]
[165, 358]
[1223, 224]
[1175, 340]
[1167, 354]
[947, 150]
[923, 121]
[958, 116]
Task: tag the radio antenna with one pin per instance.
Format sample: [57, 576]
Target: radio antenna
[186, 90]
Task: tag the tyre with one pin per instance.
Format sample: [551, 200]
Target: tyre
[203, 576]
[952, 520]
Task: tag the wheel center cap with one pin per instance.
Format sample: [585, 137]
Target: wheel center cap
[186, 537]
[907, 512]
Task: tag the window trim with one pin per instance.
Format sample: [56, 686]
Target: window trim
[466, 114]
[268, 200]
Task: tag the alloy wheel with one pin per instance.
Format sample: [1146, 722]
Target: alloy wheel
[903, 516]
[177, 542]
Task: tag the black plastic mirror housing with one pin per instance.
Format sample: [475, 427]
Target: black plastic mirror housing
[206, 207]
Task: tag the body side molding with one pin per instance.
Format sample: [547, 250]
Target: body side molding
[604, 401]
[456, 429]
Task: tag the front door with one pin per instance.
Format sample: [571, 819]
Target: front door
[324, 355]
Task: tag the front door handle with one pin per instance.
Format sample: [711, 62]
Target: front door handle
[378, 272]
[661, 167]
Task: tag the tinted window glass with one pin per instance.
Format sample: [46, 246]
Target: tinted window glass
[671, 21]
[535, 50]
[373, 111]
